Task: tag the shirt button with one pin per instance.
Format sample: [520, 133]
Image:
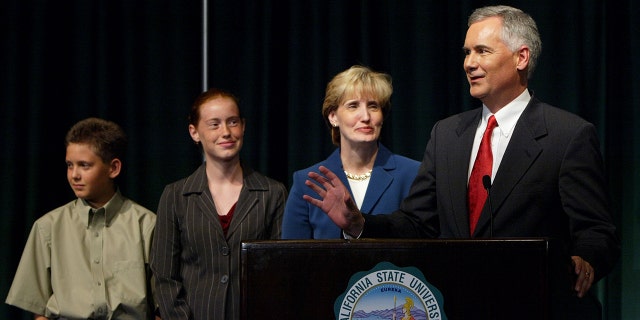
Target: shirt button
[224, 279]
[99, 283]
[96, 261]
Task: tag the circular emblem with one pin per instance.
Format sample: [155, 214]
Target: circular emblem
[390, 292]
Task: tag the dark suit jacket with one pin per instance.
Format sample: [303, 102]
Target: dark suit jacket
[550, 183]
[196, 268]
[391, 179]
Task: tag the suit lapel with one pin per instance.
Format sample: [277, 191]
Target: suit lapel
[247, 200]
[197, 184]
[522, 151]
[334, 164]
[380, 179]
[458, 162]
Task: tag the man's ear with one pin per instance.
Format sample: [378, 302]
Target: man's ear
[523, 55]
[114, 168]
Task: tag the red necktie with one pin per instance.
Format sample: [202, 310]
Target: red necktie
[482, 166]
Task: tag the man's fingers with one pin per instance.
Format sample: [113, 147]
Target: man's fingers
[585, 273]
[316, 188]
[328, 173]
[320, 179]
[312, 200]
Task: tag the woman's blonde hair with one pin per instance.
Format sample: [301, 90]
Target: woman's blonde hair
[357, 80]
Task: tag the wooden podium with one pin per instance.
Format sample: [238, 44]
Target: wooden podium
[479, 279]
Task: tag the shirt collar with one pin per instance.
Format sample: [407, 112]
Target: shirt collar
[111, 208]
[509, 114]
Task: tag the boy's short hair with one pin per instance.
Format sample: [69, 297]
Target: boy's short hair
[107, 138]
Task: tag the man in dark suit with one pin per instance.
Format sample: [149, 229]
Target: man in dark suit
[545, 166]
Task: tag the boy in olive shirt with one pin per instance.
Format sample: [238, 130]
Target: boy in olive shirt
[89, 258]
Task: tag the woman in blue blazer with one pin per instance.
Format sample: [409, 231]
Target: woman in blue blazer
[356, 102]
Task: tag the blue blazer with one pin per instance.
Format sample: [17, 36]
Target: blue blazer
[390, 182]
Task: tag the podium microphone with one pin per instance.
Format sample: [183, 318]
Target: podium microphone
[486, 181]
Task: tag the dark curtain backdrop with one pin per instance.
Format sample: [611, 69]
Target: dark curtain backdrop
[140, 64]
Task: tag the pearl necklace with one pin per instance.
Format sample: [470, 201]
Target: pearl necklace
[358, 177]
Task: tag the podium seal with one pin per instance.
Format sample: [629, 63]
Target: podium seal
[390, 292]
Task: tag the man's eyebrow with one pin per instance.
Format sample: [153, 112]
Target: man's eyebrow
[476, 47]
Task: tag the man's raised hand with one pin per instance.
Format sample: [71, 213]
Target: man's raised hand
[335, 200]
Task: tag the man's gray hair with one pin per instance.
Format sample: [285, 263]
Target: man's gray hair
[518, 28]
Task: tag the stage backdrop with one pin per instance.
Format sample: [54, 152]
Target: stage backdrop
[140, 63]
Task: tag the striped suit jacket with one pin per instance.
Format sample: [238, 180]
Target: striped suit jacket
[196, 268]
